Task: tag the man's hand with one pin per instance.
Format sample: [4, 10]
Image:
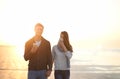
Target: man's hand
[34, 48]
[48, 73]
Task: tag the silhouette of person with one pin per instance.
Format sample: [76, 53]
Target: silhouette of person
[62, 53]
[38, 52]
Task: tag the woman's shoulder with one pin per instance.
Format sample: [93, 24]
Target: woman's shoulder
[55, 46]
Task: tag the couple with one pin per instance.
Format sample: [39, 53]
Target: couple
[38, 52]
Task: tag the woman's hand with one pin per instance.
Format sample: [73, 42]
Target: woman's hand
[61, 43]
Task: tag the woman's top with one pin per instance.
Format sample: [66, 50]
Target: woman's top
[61, 59]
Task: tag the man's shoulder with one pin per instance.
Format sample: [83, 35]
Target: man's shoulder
[29, 40]
[44, 39]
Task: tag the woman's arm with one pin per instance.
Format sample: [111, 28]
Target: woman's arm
[68, 54]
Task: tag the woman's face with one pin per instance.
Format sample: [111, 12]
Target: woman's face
[61, 37]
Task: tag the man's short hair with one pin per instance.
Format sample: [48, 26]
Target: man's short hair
[39, 24]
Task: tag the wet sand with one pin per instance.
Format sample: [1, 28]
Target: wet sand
[22, 74]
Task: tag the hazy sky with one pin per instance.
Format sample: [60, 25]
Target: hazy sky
[87, 21]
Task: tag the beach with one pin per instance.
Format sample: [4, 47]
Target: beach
[13, 66]
[22, 74]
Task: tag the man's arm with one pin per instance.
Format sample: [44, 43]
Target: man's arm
[49, 57]
[27, 52]
[50, 61]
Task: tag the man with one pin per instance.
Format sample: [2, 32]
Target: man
[38, 52]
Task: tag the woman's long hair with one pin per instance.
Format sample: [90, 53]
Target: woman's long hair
[66, 41]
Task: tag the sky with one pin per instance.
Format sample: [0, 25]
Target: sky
[90, 23]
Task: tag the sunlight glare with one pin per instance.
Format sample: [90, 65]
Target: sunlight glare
[89, 22]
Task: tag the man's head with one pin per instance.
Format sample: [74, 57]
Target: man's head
[39, 29]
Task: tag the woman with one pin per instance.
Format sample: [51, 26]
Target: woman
[62, 53]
